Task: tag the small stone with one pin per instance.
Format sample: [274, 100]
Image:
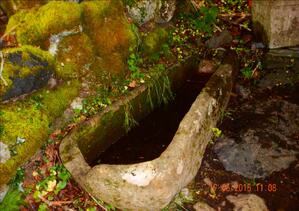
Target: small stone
[207, 66]
[132, 84]
[77, 104]
[3, 190]
[202, 206]
[247, 202]
[20, 140]
[4, 153]
[52, 83]
[208, 181]
[242, 91]
[222, 39]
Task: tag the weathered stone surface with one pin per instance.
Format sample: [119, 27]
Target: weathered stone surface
[166, 11]
[151, 185]
[202, 206]
[222, 39]
[143, 11]
[25, 69]
[256, 151]
[247, 202]
[4, 153]
[276, 22]
[3, 191]
[207, 66]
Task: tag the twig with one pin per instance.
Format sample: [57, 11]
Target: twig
[54, 203]
[235, 15]
[217, 27]
[7, 33]
[97, 202]
[1, 68]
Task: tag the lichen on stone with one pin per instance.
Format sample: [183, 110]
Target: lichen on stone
[25, 69]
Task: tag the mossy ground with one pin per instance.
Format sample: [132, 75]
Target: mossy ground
[31, 119]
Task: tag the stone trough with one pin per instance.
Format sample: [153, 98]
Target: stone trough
[149, 185]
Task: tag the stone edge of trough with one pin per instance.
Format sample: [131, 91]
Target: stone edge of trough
[151, 185]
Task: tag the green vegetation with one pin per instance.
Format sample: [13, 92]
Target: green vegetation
[14, 197]
[35, 27]
[134, 61]
[191, 29]
[30, 119]
[153, 41]
[159, 87]
[52, 184]
[129, 121]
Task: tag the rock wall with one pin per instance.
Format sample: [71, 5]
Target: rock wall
[276, 22]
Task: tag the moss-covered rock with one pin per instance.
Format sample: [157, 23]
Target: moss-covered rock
[30, 119]
[152, 42]
[144, 11]
[106, 24]
[25, 69]
[36, 27]
[10, 7]
[76, 53]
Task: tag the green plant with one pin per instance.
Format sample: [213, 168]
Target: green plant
[134, 61]
[217, 132]
[37, 101]
[159, 87]
[18, 178]
[12, 200]
[246, 72]
[129, 121]
[204, 19]
[56, 181]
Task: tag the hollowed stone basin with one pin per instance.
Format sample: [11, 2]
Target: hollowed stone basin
[149, 185]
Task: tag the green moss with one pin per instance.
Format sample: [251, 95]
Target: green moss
[152, 42]
[110, 32]
[26, 49]
[12, 6]
[35, 27]
[24, 119]
[76, 53]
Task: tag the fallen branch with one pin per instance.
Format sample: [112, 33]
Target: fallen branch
[1, 68]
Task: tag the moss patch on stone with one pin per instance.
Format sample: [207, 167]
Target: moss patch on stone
[110, 31]
[12, 6]
[153, 41]
[22, 62]
[35, 27]
[76, 53]
[30, 119]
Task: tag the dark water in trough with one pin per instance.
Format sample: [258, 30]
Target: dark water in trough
[154, 133]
